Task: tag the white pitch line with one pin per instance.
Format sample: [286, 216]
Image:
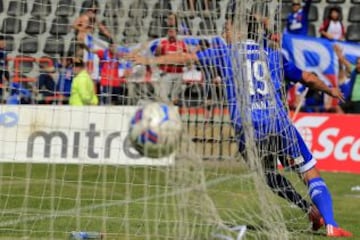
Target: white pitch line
[115, 203]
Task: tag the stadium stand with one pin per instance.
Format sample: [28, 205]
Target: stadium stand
[52, 17]
[40, 28]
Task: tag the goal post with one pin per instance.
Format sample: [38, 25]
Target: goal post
[67, 169]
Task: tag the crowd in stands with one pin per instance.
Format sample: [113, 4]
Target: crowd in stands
[74, 79]
[333, 29]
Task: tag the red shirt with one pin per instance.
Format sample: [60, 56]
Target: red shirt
[169, 47]
[109, 69]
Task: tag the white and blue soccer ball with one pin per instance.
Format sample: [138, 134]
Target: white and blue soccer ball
[155, 130]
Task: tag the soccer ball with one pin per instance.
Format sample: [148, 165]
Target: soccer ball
[155, 130]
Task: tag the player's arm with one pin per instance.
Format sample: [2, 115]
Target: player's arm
[342, 58]
[313, 82]
[179, 58]
[294, 74]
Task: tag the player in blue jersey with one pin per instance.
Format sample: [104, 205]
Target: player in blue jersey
[268, 114]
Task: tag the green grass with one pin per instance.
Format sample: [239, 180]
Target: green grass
[35, 199]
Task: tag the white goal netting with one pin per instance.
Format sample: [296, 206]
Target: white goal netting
[69, 168]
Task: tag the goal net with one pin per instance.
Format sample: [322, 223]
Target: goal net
[71, 169]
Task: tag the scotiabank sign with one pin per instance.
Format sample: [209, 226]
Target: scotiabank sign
[69, 135]
[334, 140]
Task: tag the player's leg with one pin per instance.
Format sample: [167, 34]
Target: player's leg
[280, 185]
[318, 190]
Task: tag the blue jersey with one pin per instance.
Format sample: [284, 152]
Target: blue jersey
[298, 22]
[292, 73]
[263, 83]
[259, 94]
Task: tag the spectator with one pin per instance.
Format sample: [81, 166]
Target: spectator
[332, 28]
[82, 88]
[297, 21]
[18, 94]
[352, 104]
[171, 75]
[350, 87]
[63, 85]
[4, 73]
[46, 86]
[86, 23]
[114, 70]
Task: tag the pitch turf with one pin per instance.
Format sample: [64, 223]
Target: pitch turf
[37, 198]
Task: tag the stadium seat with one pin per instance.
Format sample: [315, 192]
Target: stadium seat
[60, 26]
[11, 25]
[10, 43]
[161, 9]
[17, 8]
[354, 14]
[353, 33]
[327, 10]
[114, 8]
[207, 27]
[138, 9]
[157, 28]
[313, 14]
[335, 1]
[65, 8]
[312, 30]
[87, 4]
[133, 28]
[29, 45]
[54, 45]
[41, 8]
[285, 11]
[35, 26]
